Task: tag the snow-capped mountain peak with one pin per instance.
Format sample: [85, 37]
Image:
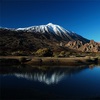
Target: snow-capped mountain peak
[53, 30]
[50, 27]
[51, 24]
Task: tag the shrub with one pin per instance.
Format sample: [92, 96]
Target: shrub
[56, 54]
[62, 54]
[19, 53]
[45, 52]
[67, 54]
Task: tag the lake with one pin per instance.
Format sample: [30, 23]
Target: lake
[49, 82]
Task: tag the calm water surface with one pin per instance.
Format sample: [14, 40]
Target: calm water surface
[29, 82]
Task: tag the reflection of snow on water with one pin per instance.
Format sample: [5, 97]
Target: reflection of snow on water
[51, 76]
[54, 78]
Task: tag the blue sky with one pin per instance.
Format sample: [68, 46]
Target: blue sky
[80, 16]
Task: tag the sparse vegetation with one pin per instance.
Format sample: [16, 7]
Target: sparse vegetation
[20, 53]
[62, 54]
[45, 52]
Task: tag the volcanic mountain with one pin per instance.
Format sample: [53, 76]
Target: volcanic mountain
[35, 37]
[55, 31]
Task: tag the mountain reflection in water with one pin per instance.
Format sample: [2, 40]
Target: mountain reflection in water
[42, 74]
[49, 82]
[42, 77]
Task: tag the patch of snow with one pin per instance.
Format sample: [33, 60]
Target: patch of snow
[50, 29]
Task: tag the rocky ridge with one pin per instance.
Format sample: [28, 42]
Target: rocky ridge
[92, 46]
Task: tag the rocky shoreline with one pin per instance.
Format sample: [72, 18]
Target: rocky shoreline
[72, 61]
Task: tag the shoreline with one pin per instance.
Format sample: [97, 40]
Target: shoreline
[30, 60]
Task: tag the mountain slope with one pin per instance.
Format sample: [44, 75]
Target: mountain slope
[32, 38]
[55, 31]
